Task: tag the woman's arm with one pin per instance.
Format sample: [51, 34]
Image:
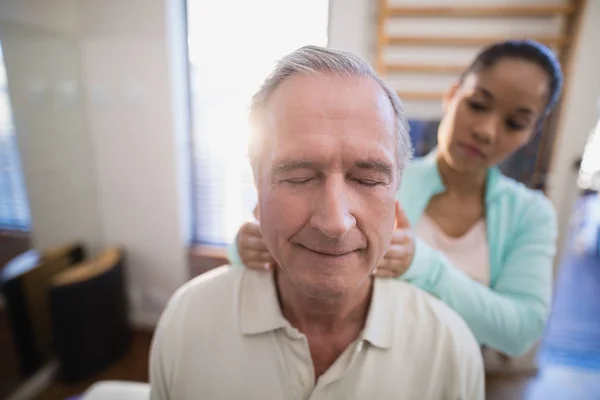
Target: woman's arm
[249, 248]
[232, 254]
[510, 316]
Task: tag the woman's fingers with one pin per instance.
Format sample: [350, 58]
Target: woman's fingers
[252, 248]
[384, 273]
[259, 266]
[401, 251]
[255, 243]
[402, 236]
[253, 256]
[396, 261]
[398, 251]
[394, 264]
[250, 229]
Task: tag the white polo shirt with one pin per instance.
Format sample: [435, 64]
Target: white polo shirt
[223, 336]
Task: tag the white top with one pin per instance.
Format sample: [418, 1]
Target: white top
[223, 336]
[470, 252]
[105, 390]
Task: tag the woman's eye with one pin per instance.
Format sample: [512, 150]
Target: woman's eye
[476, 106]
[515, 126]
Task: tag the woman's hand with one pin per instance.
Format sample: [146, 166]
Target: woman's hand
[254, 253]
[402, 250]
[251, 247]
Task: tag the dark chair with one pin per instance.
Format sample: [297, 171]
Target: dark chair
[89, 310]
[24, 283]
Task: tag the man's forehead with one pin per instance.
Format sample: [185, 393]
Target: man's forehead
[301, 98]
[336, 153]
[331, 121]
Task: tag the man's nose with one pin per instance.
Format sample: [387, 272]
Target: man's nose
[331, 210]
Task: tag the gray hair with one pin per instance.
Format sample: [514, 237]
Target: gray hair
[314, 60]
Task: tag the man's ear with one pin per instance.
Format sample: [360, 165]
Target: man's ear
[256, 212]
[450, 95]
[402, 221]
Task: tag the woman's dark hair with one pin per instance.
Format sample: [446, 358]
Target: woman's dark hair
[527, 50]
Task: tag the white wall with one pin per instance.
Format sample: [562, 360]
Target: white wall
[109, 167]
[56, 16]
[136, 126]
[352, 26]
[45, 90]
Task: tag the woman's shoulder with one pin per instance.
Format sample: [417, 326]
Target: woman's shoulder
[417, 169]
[416, 175]
[529, 204]
[420, 164]
[513, 188]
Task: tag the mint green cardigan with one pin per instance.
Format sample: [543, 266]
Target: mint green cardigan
[510, 314]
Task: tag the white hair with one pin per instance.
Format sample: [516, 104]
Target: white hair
[315, 60]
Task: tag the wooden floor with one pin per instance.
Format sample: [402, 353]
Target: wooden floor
[10, 377]
[133, 367]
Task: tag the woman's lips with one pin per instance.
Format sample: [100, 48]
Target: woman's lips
[471, 150]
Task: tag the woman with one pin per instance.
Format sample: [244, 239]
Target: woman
[480, 242]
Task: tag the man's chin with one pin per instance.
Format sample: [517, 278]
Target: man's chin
[329, 288]
[324, 293]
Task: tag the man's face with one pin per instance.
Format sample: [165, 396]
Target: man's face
[327, 181]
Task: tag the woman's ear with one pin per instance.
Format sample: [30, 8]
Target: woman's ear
[450, 95]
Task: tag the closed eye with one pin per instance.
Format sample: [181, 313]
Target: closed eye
[298, 181]
[368, 183]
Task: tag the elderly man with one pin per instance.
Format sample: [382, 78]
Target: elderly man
[329, 148]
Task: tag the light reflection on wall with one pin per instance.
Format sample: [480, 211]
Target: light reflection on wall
[14, 209]
[233, 46]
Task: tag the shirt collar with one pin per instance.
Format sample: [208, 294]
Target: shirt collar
[260, 311]
[383, 311]
[495, 181]
[259, 307]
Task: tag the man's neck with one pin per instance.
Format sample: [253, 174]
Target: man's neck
[314, 316]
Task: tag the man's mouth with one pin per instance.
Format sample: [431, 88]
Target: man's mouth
[329, 252]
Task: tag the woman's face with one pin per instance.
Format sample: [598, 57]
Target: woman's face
[492, 114]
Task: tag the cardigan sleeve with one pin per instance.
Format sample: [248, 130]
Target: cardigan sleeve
[232, 254]
[510, 316]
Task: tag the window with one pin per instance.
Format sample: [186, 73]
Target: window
[589, 173]
[14, 210]
[232, 48]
